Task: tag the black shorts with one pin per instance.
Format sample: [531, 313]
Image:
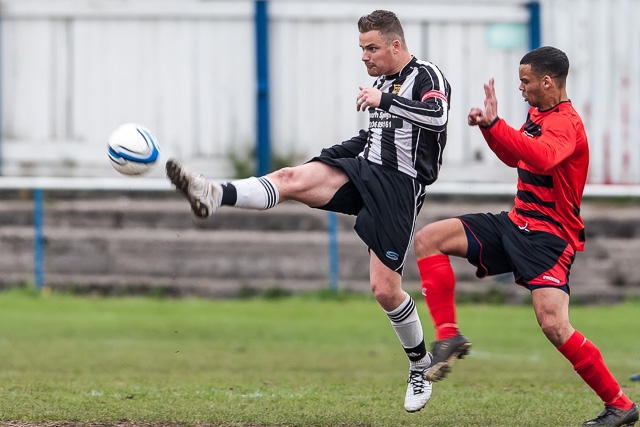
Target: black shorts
[537, 259]
[386, 203]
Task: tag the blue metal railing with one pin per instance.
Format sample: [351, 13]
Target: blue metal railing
[263, 130]
[535, 33]
[40, 184]
[155, 185]
[38, 238]
[332, 229]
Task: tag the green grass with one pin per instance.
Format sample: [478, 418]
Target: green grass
[295, 361]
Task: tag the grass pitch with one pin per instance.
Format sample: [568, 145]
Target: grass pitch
[298, 361]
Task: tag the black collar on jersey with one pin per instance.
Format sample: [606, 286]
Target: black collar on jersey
[404, 71]
[549, 109]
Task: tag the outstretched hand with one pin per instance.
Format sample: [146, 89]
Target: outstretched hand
[484, 118]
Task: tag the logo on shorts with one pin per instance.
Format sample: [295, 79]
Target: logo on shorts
[525, 228]
[392, 255]
[551, 279]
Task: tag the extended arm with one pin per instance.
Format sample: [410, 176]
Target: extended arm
[554, 145]
[486, 119]
[349, 148]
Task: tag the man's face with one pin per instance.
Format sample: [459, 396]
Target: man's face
[531, 86]
[377, 56]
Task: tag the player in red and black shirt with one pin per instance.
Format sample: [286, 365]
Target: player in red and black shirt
[537, 240]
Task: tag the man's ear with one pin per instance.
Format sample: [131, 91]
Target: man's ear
[397, 46]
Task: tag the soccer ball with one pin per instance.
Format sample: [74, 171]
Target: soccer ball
[133, 150]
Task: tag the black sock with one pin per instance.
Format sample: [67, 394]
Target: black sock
[417, 353]
[229, 194]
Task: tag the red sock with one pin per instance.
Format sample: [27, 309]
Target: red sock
[438, 288]
[587, 361]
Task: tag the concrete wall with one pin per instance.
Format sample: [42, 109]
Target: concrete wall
[138, 243]
[602, 39]
[72, 70]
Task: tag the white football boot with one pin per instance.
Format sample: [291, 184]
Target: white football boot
[205, 196]
[418, 388]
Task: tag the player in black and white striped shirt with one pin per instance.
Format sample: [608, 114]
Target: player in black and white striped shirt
[379, 176]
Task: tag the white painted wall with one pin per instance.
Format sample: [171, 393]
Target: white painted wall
[602, 40]
[72, 70]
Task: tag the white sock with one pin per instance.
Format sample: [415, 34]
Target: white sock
[406, 322]
[256, 193]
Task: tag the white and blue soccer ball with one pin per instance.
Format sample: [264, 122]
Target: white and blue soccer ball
[133, 150]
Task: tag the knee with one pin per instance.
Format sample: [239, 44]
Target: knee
[423, 244]
[381, 294]
[289, 180]
[387, 296]
[285, 175]
[555, 331]
[548, 328]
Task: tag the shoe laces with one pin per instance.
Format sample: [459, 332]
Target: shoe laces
[201, 191]
[609, 411]
[416, 380]
[199, 186]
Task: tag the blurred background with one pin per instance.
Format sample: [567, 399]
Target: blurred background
[236, 88]
[190, 70]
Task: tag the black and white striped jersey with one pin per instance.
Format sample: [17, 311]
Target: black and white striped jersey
[408, 131]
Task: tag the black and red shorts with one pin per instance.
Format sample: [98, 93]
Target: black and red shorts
[537, 259]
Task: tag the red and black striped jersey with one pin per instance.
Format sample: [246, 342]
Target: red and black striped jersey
[551, 154]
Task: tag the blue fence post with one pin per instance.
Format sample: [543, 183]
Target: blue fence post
[535, 33]
[38, 238]
[263, 131]
[332, 228]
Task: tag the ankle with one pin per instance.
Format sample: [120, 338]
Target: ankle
[622, 402]
[446, 331]
[422, 363]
